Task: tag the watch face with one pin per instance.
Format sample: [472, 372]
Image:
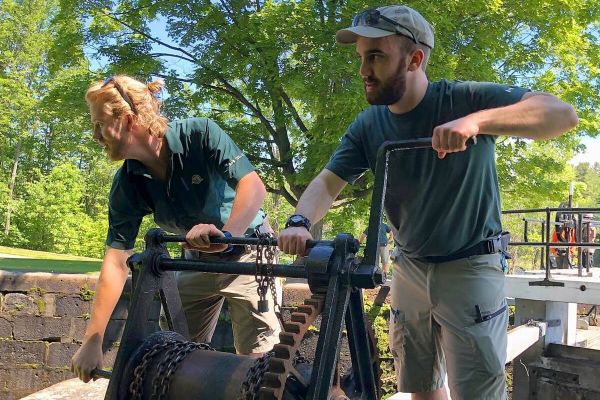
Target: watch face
[296, 219]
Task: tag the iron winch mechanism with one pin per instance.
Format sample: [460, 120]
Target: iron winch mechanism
[155, 364]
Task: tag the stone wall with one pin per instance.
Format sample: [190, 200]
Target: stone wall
[43, 318]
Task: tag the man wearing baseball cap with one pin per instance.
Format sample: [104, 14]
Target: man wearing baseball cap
[449, 313]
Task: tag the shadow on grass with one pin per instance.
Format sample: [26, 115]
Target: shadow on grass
[54, 266]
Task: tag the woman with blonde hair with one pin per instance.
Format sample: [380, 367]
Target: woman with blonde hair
[195, 181]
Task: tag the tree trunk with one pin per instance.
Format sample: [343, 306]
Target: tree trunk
[11, 191]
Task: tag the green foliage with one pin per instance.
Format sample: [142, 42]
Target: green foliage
[86, 294]
[52, 217]
[272, 75]
[41, 305]
[379, 316]
[286, 91]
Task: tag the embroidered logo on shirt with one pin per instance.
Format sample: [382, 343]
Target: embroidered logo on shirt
[234, 160]
[196, 179]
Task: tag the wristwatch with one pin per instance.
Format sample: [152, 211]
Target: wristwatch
[298, 220]
[229, 249]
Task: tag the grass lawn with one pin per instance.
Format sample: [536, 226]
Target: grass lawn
[45, 262]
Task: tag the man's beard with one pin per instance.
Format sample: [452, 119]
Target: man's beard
[390, 91]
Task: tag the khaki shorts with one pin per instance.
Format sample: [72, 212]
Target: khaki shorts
[202, 295]
[434, 324]
[384, 254]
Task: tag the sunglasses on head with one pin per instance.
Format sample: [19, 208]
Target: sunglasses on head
[121, 92]
[373, 18]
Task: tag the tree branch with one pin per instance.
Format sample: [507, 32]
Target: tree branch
[229, 12]
[294, 112]
[177, 78]
[268, 161]
[171, 55]
[150, 37]
[282, 192]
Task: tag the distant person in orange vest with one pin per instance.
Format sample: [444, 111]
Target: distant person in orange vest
[589, 235]
[563, 232]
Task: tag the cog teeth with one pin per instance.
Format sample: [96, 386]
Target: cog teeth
[273, 379]
[280, 363]
[312, 302]
[298, 317]
[292, 327]
[306, 309]
[280, 352]
[287, 338]
[267, 394]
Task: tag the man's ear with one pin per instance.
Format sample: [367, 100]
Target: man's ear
[130, 122]
[416, 59]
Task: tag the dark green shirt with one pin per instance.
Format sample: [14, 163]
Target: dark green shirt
[436, 207]
[205, 167]
[382, 239]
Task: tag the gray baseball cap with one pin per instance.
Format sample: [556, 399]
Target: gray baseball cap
[386, 21]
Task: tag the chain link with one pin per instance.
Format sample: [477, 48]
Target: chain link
[254, 377]
[136, 388]
[265, 257]
[176, 351]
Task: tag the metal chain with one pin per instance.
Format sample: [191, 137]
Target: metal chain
[265, 257]
[169, 364]
[175, 348]
[135, 388]
[257, 274]
[254, 377]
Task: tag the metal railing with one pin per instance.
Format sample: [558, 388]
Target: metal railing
[578, 223]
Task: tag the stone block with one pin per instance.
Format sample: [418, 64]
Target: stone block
[44, 328]
[21, 379]
[15, 352]
[19, 304]
[73, 306]
[78, 327]
[15, 394]
[6, 328]
[59, 354]
[65, 283]
[17, 281]
[49, 305]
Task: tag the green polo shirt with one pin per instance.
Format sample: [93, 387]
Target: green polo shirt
[205, 168]
[435, 207]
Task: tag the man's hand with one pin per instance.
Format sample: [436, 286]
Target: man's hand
[452, 136]
[292, 240]
[199, 238]
[87, 358]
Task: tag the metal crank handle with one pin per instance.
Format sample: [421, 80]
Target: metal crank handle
[242, 241]
[101, 373]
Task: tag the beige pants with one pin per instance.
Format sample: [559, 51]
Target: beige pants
[384, 255]
[202, 295]
[450, 316]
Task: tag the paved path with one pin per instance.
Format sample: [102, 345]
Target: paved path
[72, 389]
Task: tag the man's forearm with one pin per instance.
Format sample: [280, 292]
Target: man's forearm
[249, 196]
[113, 275]
[539, 116]
[319, 196]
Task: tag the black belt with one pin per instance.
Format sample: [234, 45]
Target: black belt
[494, 245]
